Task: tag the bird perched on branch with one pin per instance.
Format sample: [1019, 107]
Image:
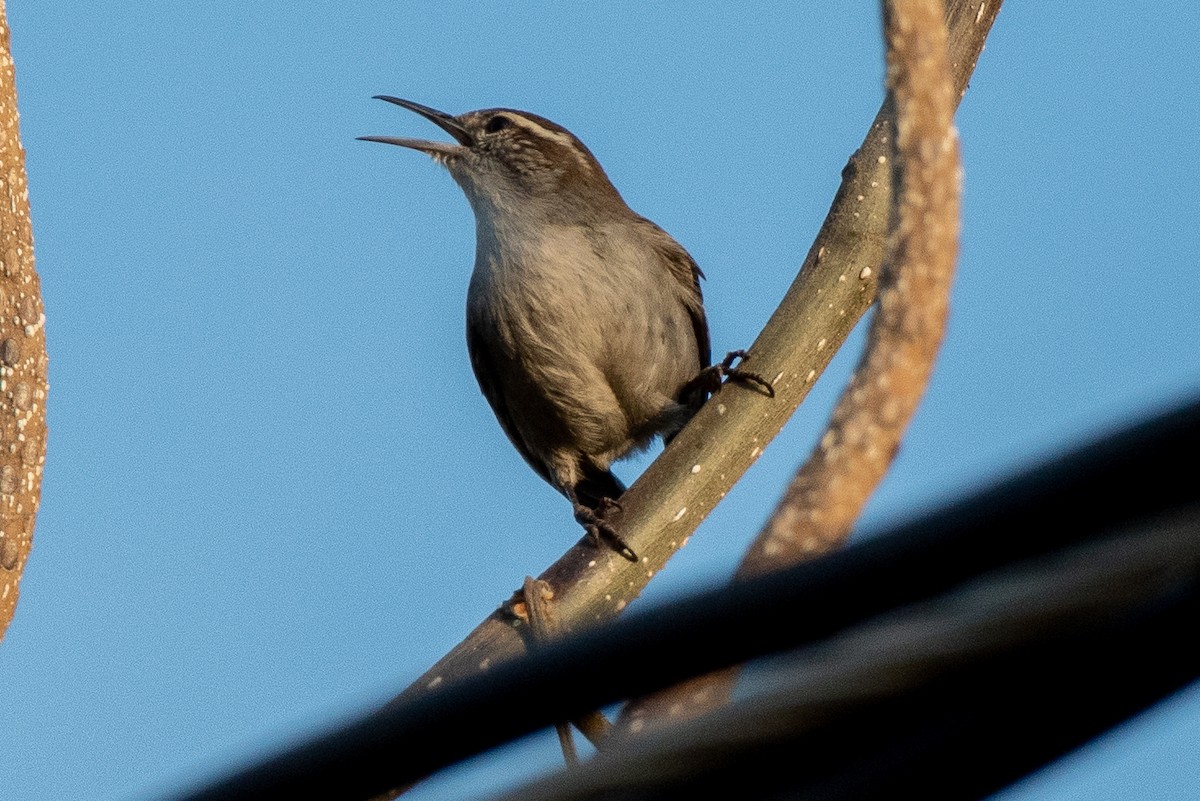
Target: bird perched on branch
[585, 322]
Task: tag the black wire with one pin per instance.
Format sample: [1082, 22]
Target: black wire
[953, 697]
[1121, 480]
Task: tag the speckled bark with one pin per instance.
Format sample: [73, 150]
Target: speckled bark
[835, 286]
[22, 350]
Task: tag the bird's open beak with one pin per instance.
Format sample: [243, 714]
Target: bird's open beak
[439, 118]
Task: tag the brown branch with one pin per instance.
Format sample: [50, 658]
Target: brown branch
[22, 349]
[533, 606]
[543, 627]
[835, 286]
[829, 491]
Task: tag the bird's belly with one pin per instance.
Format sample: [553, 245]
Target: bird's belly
[597, 352]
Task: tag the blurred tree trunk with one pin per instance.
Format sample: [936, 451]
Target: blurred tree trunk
[23, 359]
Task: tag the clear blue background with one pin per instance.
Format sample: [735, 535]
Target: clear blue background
[274, 494]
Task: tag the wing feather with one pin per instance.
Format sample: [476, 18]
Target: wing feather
[483, 361]
[687, 274]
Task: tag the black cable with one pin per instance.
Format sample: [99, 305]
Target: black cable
[951, 698]
[1123, 479]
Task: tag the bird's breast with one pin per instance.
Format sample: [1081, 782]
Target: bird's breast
[539, 285]
[589, 294]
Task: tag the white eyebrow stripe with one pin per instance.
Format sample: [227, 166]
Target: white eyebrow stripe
[566, 140]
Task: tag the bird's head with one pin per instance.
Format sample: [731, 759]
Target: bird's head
[504, 158]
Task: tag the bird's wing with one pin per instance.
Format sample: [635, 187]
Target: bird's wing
[483, 363]
[687, 274]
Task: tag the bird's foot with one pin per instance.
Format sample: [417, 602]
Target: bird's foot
[711, 379]
[600, 530]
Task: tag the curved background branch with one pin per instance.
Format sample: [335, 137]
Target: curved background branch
[23, 360]
[830, 489]
[829, 492]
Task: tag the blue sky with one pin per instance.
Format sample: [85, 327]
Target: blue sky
[274, 494]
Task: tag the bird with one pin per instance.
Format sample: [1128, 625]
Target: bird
[585, 321]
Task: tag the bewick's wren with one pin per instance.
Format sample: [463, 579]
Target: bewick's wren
[585, 323]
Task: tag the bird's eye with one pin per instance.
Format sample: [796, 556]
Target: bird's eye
[497, 123]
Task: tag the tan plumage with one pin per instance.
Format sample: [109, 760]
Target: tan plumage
[585, 321]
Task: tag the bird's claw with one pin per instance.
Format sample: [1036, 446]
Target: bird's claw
[739, 373]
[600, 530]
[710, 378]
[609, 505]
